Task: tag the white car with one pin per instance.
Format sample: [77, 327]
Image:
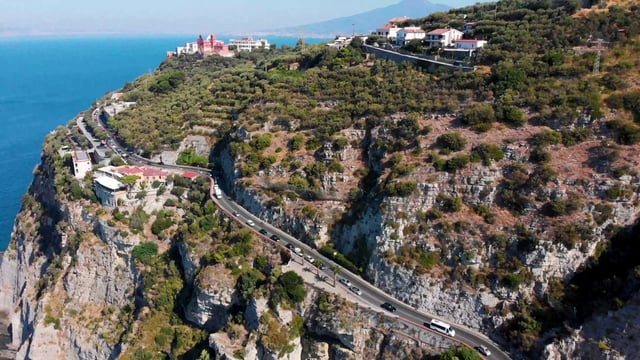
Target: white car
[297, 250]
[483, 350]
[345, 282]
[356, 291]
[309, 258]
[251, 223]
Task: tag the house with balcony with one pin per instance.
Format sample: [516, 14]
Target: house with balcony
[442, 37]
[407, 34]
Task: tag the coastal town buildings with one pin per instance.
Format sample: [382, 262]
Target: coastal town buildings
[250, 44]
[81, 164]
[390, 30]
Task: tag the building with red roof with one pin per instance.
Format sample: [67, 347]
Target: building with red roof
[191, 175]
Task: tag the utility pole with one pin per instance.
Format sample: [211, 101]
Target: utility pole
[353, 29]
[596, 63]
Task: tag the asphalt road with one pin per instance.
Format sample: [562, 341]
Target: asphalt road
[374, 296]
[370, 294]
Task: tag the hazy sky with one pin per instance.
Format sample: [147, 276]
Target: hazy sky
[24, 17]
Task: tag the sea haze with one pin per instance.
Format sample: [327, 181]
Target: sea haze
[45, 82]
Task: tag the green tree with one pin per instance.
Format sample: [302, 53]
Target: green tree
[478, 113]
[460, 353]
[293, 286]
[451, 141]
[145, 252]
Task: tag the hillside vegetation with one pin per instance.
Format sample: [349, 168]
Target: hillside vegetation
[533, 153]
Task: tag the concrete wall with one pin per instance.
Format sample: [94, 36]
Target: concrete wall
[430, 65]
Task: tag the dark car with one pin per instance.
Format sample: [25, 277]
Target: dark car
[322, 266]
[263, 232]
[389, 307]
[275, 237]
[290, 246]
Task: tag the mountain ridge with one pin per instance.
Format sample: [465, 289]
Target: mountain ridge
[365, 22]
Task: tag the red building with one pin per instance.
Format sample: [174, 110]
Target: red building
[211, 45]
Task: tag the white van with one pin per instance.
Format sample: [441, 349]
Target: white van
[442, 327]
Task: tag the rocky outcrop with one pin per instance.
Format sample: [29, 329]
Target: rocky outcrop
[214, 295]
[612, 336]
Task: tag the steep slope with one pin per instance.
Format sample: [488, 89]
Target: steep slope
[504, 199]
[366, 22]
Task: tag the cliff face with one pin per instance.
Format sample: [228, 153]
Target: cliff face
[72, 288]
[63, 277]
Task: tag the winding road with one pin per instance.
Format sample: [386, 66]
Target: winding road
[371, 295]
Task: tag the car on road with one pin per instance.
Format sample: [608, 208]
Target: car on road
[483, 350]
[263, 232]
[251, 223]
[309, 258]
[356, 290]
[297, 250]
[389, 307]
[275, 237]
[236, 214]
[290, 247]
[322, 266]
[345, 282]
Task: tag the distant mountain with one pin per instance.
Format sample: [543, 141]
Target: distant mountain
[365, 22]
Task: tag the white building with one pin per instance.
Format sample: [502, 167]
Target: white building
[407, 34]
[464, 48]
[81, 163]
[109, 190]
[443, 37]
[388, 31]
[248, 44]
[470, 44]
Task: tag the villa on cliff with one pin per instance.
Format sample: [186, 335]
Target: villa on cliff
[116, 184]
[209, 46]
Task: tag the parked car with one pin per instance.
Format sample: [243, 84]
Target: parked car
[275, 237]
[297, 250]
[345, 282]
[356, 290]
[263, 232]
[389, 307]
[251, 223]
[322, 266]
[483, 350]
[236, 214]
[309, 258]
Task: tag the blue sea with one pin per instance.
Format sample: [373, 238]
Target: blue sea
[46, 81]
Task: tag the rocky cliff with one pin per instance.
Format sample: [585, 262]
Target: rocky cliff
[79, 281]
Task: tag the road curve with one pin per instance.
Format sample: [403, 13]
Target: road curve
[371, 294]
